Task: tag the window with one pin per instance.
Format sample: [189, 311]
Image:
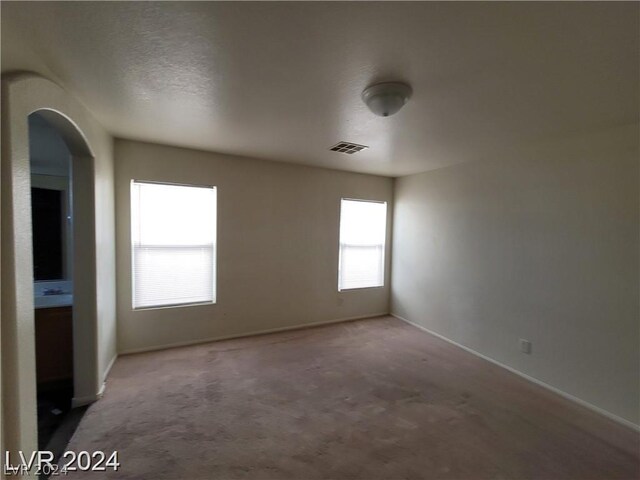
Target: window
[363, 227]
[173, 234]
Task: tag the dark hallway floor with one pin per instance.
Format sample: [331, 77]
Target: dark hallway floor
[54, 403]
[370, 399]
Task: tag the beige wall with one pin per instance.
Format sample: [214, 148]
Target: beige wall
[277, 245]
[542, 244]
[94, 312]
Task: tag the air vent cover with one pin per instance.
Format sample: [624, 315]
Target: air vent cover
[346, 147]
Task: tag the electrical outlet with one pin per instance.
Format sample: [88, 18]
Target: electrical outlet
[525, 346]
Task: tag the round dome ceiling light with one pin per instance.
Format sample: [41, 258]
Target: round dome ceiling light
[385, 99]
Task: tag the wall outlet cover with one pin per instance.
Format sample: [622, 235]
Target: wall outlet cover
[525, 346]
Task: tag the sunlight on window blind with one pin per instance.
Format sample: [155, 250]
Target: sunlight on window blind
[173, 234]
[363, 228]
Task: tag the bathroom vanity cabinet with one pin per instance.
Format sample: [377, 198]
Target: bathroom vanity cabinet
[54, 344]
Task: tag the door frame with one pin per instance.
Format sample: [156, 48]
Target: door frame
[94, 270]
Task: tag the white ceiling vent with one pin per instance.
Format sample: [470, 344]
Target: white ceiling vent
[346, 147]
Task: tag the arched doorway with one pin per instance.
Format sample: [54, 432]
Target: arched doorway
[90, 147]
[62, 222]
[83, 233]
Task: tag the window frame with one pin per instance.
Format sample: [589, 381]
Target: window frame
[132, 249]
[384, 249]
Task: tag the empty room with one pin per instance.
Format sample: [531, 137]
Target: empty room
[320, 240]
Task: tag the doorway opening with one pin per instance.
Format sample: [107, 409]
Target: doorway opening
[60, 337]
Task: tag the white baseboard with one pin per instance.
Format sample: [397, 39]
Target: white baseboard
[248, 334]
[82, 401]
[555, 390]
[108, 369]
[87, 400]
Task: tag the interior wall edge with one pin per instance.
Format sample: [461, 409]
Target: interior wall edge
[109, 367]
[529, 378]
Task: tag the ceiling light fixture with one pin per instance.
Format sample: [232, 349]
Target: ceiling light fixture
[385, 99]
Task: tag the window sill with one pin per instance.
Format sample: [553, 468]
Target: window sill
[359, 288]
[179, 305]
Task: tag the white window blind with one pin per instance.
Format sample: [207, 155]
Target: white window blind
[363, 228]
[173, 235]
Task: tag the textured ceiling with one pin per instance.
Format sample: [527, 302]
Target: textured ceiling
[282, 81]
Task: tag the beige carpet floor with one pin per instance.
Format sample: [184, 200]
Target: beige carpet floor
[371, 399]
